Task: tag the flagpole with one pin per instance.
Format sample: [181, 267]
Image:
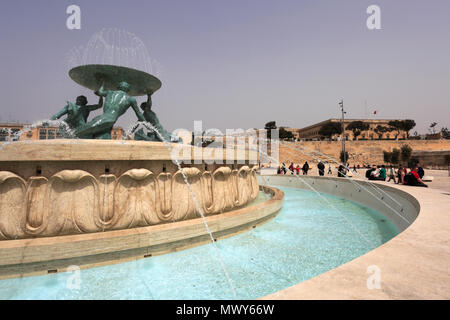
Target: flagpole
[341, 104]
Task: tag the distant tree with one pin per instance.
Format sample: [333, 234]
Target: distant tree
[357, 127]
[432, 127]
[285, 135]
[344, 157]
[271, 125]
[407, 125]
[405, 153]
[445, 133]
[387, 156]
[379, 131]
[395, 156]
[330, 129]
[396, 125]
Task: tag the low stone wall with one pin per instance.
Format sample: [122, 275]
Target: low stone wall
[360, 152]
[25, 257]
[432, 159]
[398, 206]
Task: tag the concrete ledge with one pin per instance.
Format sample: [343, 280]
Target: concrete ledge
[41, 255]
[413, 265]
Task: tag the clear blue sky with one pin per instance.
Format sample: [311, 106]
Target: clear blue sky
[241, 63]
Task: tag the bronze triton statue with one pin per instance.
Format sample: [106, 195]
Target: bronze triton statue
[116, 104]
[78, 112]
[151, 117]
[117, 85]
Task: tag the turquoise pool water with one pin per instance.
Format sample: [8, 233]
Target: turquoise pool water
[306, 239]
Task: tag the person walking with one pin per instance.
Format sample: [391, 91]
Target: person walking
[297, 169]
[391, 173]
[305, 168]
[321, 168]
[291, 167]
[283, 167]
[329, 169]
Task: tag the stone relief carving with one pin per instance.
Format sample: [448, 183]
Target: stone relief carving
[74, 201]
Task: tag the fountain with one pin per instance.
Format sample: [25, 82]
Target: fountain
[90, 199]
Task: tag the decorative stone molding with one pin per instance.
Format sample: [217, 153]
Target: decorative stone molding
[76, 202]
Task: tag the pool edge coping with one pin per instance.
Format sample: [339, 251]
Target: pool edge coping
[412, 265]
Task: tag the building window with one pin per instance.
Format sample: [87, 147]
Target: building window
[4, 134]
[42, 134]
[51, 134]
[15, 134]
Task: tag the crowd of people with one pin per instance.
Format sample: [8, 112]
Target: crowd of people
[295, 169]
[400, 175]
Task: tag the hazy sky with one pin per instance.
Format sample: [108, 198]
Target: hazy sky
[242, 63]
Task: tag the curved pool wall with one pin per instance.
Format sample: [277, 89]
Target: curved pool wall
[304, 240]
[391, 202]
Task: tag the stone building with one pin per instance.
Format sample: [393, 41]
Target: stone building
[8, 130]
[312, 132]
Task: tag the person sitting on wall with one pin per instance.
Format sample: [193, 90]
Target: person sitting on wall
[413, 178]
[382, 173]
[420, 171]
[369, 173]
[401, 172]
[373, 173]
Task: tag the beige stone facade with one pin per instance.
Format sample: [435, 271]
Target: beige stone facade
[312, 132]
[363, 152]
